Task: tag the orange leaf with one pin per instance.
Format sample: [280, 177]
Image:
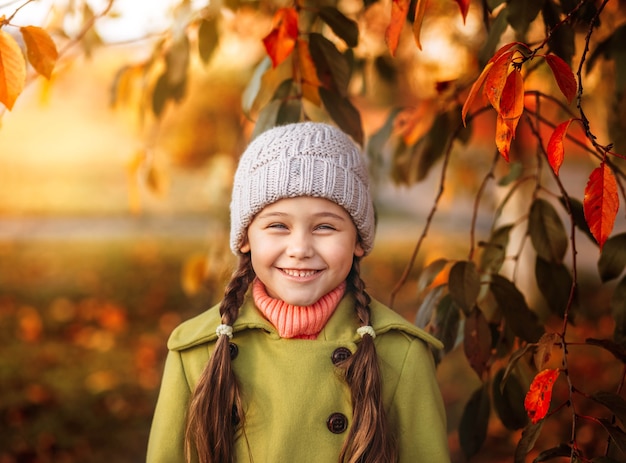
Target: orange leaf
[512, 99]
[555, 146]
[12, 70]
[413, 123]
[537, 401]
[281, 40]
[420, 10]
[496, 79]
[474, 90]
[399, 11]
[40, 50]
[310, 81]
[505, 129]
[601, 203]
[464, 7]
[564, 76]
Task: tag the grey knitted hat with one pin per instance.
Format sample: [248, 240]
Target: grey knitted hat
[302, 159]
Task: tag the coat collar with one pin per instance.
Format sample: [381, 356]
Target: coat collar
[341, 326]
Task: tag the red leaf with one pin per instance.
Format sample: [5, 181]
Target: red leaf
[504, 134]
[474, 90]
[555, 146]
[601, 203]
[537, 402]
[496, 79]
[399, 11]
[512, 100]
[464, 7]
[564, 76]
[281, 40]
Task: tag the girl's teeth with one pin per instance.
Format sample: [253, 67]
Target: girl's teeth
[299, 273]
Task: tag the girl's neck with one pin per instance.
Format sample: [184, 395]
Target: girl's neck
[294, 321]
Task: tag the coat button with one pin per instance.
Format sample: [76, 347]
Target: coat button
[234, 350]
[337, 423]
[340, 354]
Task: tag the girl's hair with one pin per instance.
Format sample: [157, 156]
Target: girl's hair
[211, 427]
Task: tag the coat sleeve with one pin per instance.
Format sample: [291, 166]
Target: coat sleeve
[167, 434]
[420, 411]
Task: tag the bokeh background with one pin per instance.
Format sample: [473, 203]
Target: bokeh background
[99, 260]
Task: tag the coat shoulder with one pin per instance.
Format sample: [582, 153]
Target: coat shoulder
[197, 330]
[385, 319]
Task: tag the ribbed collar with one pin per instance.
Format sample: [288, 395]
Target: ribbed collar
[292, 321]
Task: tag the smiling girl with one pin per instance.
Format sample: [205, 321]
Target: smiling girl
[298, 363]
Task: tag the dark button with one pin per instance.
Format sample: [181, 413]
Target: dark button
[234, 350]
[337, 423]
[340, 354]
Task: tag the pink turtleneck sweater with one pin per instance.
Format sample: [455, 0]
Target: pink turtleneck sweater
[294, 321]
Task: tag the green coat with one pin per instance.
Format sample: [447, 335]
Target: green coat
[291, 387]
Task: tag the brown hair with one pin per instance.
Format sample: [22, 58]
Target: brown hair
[211, 432]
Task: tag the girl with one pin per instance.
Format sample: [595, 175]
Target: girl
[298, 363]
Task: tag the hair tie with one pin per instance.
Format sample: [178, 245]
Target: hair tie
[367, 329]
[224, 330]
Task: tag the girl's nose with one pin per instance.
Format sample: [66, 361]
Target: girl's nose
[300, 245]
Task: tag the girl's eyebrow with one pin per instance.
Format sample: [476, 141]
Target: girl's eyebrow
[323, 214]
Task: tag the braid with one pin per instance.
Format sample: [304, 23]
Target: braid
[215, 406]
[369, 439]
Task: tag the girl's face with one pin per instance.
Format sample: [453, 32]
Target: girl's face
[302, 248]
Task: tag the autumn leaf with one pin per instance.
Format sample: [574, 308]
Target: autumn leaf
[556, 151]
[40, 49]
[537, 401]
[420, 10]
[475, 89]
[564, 76]
[281, 40]
[12, 70]
[464, 7]
[413, 123]
[399, 11]
[504, 136]
[512, 99]
[310, 81]
[497, 77]
[601, 203]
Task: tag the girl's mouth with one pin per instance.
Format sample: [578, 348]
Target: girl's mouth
[298, 273]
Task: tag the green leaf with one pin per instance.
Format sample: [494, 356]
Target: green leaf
[494, 251]
[477, 342]
[616, 433]
[207, 39]
[527, 442]
[618, 310]
[290, 111]
[343, 113]
[376, 145]
[253, 88]
[474, 421]
[615, 403]
[516, 169]
[612, 258]
[520, 319]
[562, 450]
[447, 322]
[429, 273]
[555, 283]
[578, 214]
[508, 401]
[333, 69]
[267, 118]
[546, 230]
[464, 285]
[345, 28]
[520, 13]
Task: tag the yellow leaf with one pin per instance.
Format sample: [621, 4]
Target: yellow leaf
[12, 70]
[40, 49]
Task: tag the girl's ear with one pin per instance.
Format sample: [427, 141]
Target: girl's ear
[358, 250]
[245, 247]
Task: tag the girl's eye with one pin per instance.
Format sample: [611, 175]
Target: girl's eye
[325, 226]
[277, 226]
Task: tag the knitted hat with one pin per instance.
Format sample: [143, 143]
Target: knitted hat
[301, 159]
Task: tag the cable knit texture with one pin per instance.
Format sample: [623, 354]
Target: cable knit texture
[303, 159]
[294, 321]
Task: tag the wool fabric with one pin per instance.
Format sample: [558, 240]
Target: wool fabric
[292, 321]
[302, 159]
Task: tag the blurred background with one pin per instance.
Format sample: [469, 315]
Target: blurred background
[113, 224]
